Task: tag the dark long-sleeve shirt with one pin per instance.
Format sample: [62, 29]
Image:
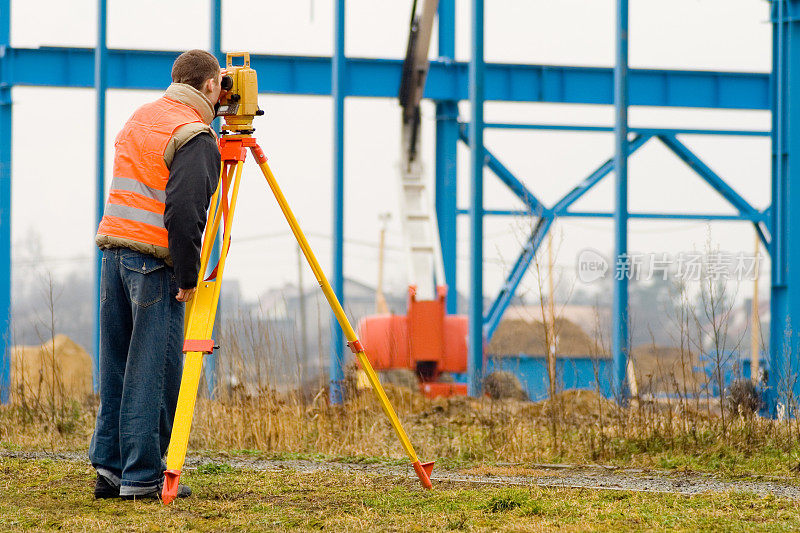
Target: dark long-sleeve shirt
[193, 178]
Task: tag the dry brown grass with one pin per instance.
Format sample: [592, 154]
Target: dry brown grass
[591, 429]
[269, 400]
[459, 430]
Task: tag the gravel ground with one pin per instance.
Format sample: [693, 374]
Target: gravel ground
[591, 477]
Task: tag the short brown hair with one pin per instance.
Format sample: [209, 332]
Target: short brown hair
[194, 68]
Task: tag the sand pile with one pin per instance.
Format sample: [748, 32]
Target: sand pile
[58, 366]
[666, 369]
[514, 337]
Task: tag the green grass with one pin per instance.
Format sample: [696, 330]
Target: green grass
[717, 458]
[723, 462]
[324, 457]
[43, 495]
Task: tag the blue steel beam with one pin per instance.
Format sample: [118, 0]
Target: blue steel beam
[5, 204]
[644, 216]
[594, 178]
[142, 69]
[646, 131]
[337, 79]
[446, 160]
[708, 175]
[475, 342]
[520, 191]
[766, 224]
[446, 194]
[100, 77]
[759, 228]
[516, 274]
[215, 30]
[619, 324]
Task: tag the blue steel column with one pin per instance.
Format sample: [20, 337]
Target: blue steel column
[476, 96]
[784, 387]
[5, 203]
[620, 310]
[216, 31]
[446, 162]
[216, 49]
[100, 64]
[337, 93]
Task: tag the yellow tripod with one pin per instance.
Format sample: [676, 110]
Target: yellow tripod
[203, 306]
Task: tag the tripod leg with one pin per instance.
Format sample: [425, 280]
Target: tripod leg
[423, 471]
[199, 327]
[215, 212]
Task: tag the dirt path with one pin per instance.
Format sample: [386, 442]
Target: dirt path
[589, 477]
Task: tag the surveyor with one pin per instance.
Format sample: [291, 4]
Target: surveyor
[166, 167]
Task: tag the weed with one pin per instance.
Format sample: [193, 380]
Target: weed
[506, 501]
[459, 523]
[214, 469]
[535, 508]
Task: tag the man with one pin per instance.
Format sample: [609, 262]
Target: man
[166, 167]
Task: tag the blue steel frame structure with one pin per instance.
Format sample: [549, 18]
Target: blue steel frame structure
[448, 83]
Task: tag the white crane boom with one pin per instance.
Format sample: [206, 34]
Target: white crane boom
[417, 213]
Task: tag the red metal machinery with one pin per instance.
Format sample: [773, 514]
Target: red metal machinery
[426, 341]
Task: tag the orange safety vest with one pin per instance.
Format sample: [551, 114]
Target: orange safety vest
[135, 206]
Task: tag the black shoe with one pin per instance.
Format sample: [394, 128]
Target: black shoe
[103, 488]
[183, 492]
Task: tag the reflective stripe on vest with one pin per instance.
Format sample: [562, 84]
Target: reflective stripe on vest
[135, 206]
[132, 185]
[137, 215]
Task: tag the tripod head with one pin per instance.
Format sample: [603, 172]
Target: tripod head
[240, 104]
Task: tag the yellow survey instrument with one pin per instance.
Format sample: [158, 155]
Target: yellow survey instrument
[236, 139]
[239, 104]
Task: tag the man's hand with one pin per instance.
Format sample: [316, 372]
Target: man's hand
[184, 295]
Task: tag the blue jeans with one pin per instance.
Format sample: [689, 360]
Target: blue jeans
[141, 342]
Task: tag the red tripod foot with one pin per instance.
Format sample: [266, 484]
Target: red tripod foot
[423, 471]
[170, 490]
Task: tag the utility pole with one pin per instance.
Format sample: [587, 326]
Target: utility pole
[381, 307]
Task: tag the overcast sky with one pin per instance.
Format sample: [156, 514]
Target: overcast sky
[53, 182]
